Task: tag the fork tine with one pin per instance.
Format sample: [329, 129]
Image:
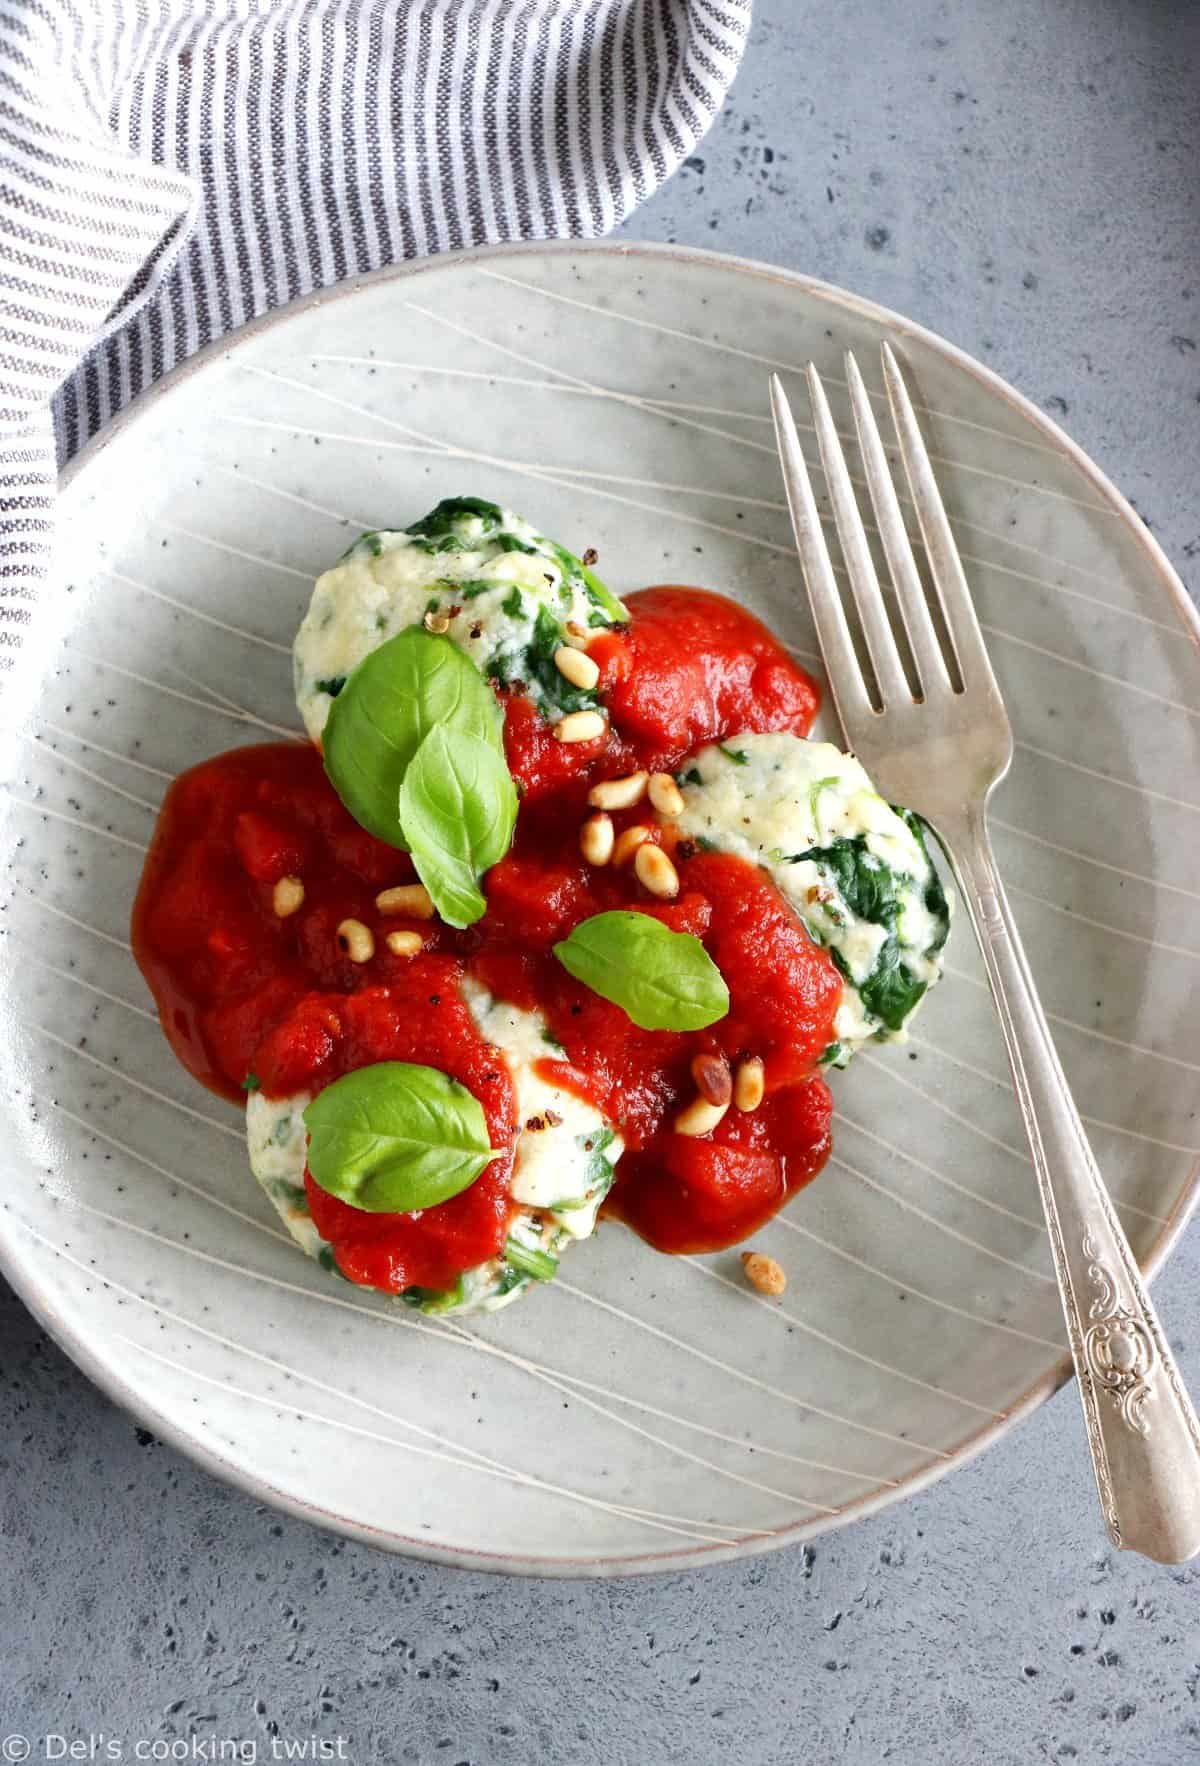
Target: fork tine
[945, 566]
[833, 634]
[860, 567]
[914, 609]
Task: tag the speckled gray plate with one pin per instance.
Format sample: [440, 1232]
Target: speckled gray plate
[643, 1412]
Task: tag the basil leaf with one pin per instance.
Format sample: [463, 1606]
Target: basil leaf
[664, 980]
[395, 1137]
[387, 707]
[458, 806]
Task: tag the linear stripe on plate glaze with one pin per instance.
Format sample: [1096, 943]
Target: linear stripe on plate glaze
[1088, 858]
[209, 705]
[563, 479]
[222, 625]
[800, 1325]
[49, 907]
[1175, 950]
[567, 480]
[87, 773]
[1131, 1048]
[476, 1460]
[284, 1407]
[792, 1322]
[207, 539]
[542, 1374]
[655, 405]
[636, 401]
[1033, 1222]
[289, 732]
[477, 457]
[1003, 1083]
[894, 1281]
[1022, 1269]
[670, 1447]
[58, 815]
[274, 490]
[150, 1091]
[792, 1398]
[172, 1177]
[570, 1381]
[114, 999]
[595, 1300]
[781, 367]
[442, 1331]
[109, 753]
[469, 1458]
[651, 405]
[894, 1072]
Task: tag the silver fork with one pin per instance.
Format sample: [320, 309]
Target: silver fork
[942, 754]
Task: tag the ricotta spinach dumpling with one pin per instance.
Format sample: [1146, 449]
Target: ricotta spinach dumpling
[856, 869]
[564, 1166]
[503, 593]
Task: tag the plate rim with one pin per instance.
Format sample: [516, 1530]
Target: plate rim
[106, 1375]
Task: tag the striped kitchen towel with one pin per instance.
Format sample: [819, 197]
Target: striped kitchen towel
[169, 168]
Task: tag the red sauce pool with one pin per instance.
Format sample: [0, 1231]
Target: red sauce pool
[243, 992]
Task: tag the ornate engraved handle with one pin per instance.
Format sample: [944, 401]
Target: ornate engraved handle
[1141, 1426]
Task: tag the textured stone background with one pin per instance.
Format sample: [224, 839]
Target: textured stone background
[1022, 176]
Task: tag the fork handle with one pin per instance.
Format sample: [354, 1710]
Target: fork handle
[1141, 1427]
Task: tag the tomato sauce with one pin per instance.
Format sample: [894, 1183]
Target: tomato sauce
[247, 996]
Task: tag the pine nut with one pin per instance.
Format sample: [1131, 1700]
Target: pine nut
[356, 940]
[713, 1081]
[436, 622]
[406, 898]
[404, 944]
[763, 1272]
[628, 842]
[619, 793]
[288, 896]
[576, 667]
[580, 726]
[655, 871]
[700, 1117]
[665, 795]
[596, 839]
[749, 1084]
[575, 630]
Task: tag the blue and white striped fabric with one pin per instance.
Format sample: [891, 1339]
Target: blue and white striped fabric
[170, 168]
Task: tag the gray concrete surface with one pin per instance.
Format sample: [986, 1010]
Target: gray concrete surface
[1022, 176]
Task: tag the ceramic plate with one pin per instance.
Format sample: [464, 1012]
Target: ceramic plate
[645, 1411]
